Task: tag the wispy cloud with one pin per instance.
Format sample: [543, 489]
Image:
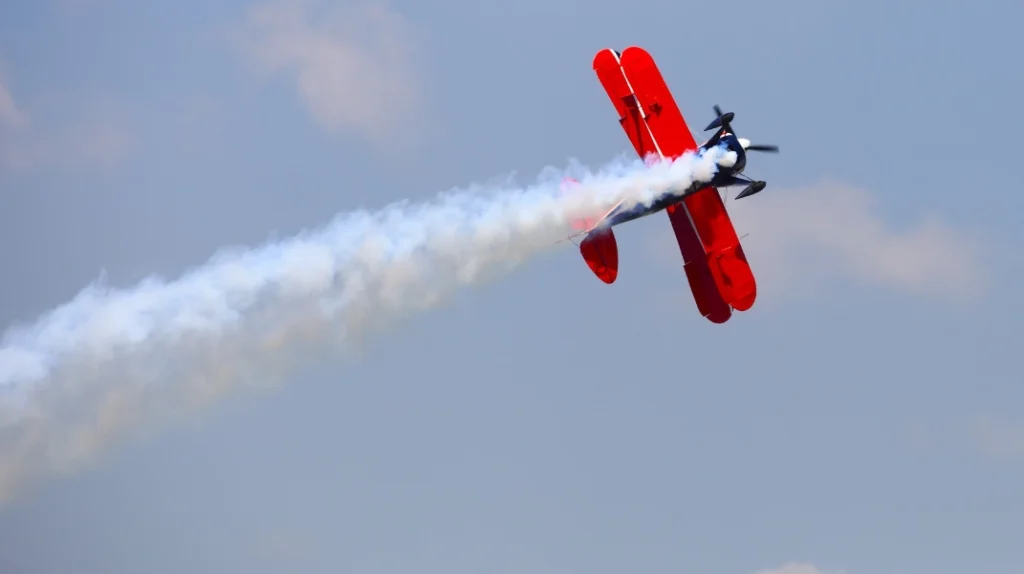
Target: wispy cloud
[286, 544]
[797, 568]
[996, 436]
[992, 436]
[802, 238]
[352, 66]
[98, 138]
[10, 116]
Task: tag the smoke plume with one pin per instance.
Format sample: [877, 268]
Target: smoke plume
[111, 360]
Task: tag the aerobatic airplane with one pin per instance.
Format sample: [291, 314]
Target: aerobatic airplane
[720, 277]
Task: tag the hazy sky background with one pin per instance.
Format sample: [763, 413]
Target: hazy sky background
[864, 417]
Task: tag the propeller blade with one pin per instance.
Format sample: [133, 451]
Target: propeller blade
[762, 147]
[722, 119]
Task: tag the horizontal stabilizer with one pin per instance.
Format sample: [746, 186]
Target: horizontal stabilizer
[601, 252]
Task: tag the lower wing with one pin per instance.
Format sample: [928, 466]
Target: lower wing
[722, 248]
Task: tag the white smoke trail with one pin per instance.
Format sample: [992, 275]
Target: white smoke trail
[113, 359]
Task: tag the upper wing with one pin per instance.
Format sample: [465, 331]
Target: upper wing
[663, 117]
[631, 117]
[609, 72]
[704, 209]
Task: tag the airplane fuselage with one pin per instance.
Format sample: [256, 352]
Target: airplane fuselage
[724, 177]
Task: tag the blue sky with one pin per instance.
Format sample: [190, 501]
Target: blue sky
[864, 417]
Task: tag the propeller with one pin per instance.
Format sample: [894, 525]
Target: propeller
[722, 124]
[723, 121]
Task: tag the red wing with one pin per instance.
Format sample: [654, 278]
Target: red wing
[723, 252]
[606, 65]
[698, 271]
[663, 117]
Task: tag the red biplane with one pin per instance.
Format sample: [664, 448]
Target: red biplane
[716, 268]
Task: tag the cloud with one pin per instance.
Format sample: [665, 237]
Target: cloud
[98, 138]
[796, 568]
[802, 238]
[353, 66]
[997, 437]
[10, 116]
[285, 544]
